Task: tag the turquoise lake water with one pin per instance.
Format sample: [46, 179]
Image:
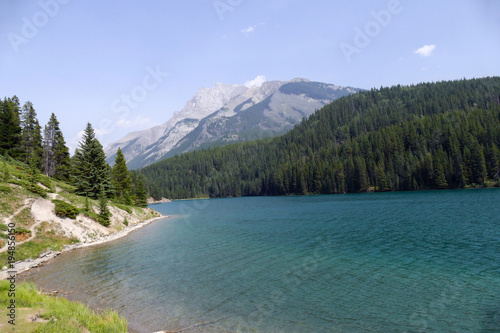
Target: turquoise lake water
[379, 262]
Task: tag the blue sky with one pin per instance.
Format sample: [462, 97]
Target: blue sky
[127, 65]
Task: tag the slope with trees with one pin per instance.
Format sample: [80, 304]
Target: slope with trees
[48, 158]
[426, 136]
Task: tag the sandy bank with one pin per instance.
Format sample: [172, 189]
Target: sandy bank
[23, 266]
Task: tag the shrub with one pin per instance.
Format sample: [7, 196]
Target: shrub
[30, 187]
[92, 215]
[38, 190]
[29, 183]
[3, 227]
[125, 208]
[5, 189]
[64, 209]
[125, 222]
[45, 181]
[21, 230]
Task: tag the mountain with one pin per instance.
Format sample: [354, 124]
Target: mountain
[227, 114]
[443, 135]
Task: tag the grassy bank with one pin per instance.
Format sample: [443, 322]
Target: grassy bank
[43, 313]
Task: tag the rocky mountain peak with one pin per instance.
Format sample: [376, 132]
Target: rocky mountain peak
[228, 113]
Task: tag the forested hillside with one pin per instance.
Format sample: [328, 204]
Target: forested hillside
[427, 136]
[45, 152]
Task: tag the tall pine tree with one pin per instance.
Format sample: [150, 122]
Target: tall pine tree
[31, 137]
[141, 199]
[10, 127]
[90, 170]
[120, 176]
[104, 213]
[55, 160]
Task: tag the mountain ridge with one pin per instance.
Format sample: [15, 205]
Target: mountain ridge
[225, 114]
[442, 135]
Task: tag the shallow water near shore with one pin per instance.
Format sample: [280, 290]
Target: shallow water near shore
[379, 262]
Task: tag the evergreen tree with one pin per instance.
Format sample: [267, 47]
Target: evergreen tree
[363, 183]
[6, 173]
[90, 171]
[141, 199]
[55, 159]
[475, 161]
[86, 207]
[492, 156]
[31, 137]
[381, 179]
[439, 177]
[48, 162]
[104, 213]
[10, 127]
[121, 179]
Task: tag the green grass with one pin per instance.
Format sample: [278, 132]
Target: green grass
[41, 243]
[5, 189]
[62, 315]
[24, 218]
[21, 230]
[63, 186]
[126, 208]
[30, 187]
[10, 202]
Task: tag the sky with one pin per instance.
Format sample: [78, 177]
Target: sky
[128, 65]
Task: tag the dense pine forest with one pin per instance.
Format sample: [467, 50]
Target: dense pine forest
[45, 152]
[429, 136]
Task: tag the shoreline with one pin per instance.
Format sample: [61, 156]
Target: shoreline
[24, 266]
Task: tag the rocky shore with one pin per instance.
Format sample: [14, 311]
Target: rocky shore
[23, 266]
[152, 201]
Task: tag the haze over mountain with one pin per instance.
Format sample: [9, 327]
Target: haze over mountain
[227, 114]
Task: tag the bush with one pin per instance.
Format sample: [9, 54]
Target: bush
[3, 227]
[90, 214]
[21, 230]
[30, 187]
[37, 189]
[125, 208]
[45, 181]
[5, 189]
[125, 222]
[64, 209]
[66, 187]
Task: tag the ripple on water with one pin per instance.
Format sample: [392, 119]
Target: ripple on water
[385, 262]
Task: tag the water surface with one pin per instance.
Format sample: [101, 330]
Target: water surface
[380, 262]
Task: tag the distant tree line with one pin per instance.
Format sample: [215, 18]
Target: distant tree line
[442, 135]
[22, 138]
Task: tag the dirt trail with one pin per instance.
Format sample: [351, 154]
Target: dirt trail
[27, 202]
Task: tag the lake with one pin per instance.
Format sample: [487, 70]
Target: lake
[425, 261]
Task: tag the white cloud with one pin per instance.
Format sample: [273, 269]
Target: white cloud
[252, 28]
[258, 81]
[426, 50]
[248, 30]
